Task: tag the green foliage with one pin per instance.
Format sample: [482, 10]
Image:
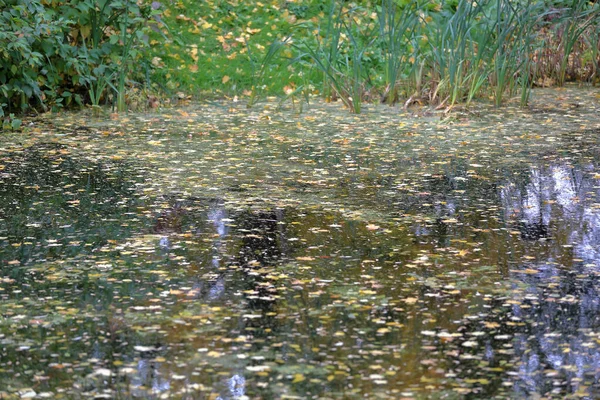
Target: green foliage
[436, 51]
[58, 53]
[576, 19]
[397, 26]
[29, 37]
[62, 53]
[10, 122]
[340, 54]
[261, 69]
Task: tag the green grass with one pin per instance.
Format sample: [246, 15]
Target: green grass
[223, 47]
[440, 52]
[386, 50]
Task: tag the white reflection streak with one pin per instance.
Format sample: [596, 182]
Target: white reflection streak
[237, 383]
[218, 217]
[558, 185]
[147, 371]
[237, 387]
[564, 189]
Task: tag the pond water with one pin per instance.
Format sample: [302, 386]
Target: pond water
[224, 253]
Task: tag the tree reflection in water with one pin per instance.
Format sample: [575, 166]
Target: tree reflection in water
[556, 348]
[508, 262]
[546, 337]
[248, 239]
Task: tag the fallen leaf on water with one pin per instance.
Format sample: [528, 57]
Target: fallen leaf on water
[298, 378]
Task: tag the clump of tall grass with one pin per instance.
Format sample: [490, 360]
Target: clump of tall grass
[514, 28]
[338, 54]
[453, 55]
[260, 69]
[448, 52]
[576, 20]
[398, 26]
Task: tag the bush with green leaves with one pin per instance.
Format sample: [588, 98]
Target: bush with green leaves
[58, 53]
[28, 34]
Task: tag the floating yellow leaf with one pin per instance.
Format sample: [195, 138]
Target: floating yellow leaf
[298, 378]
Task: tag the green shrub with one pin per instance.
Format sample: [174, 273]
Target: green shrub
[59, 53]
[29, 35]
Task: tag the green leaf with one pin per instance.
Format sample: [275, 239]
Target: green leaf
[15, 123]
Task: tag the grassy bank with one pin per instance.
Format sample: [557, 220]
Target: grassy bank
[390, 50]
[122, 53]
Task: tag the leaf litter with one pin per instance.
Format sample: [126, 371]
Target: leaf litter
[213, 251]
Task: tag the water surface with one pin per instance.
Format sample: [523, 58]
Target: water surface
[222, 253]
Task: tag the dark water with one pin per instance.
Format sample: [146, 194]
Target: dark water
[227, 254]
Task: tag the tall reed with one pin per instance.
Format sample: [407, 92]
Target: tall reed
[449, 51]
[452, 51]
[259, 72]
[327, 51]
[576, 20]
[339, 56]
[398, 26]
